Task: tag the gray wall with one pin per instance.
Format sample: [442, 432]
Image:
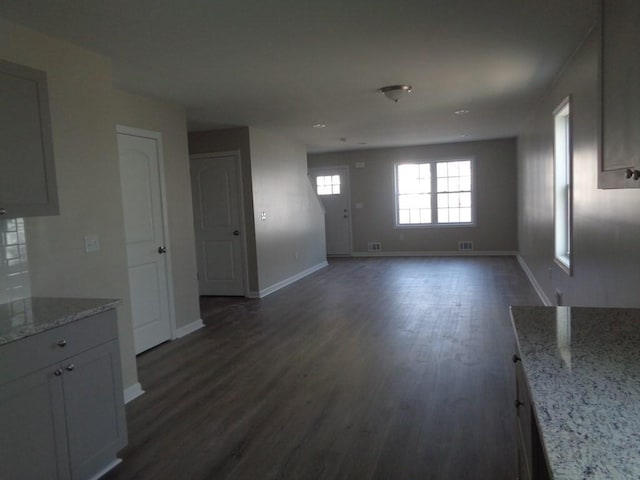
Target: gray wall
[606, 227]
[87, 170]
[291, 239]
[373, 186]
[274, 172]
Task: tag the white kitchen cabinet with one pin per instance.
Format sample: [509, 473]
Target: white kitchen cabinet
[620, 156]
[61, 402]
[531, 461]
[27, 171]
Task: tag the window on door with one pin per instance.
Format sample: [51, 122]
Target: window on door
[328, 184]
[434, 193]
[562, 185]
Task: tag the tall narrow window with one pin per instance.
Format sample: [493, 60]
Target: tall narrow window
[562, 185]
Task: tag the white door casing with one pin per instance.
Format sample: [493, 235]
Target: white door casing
[148, 260]
[337, 210]
[217, 212]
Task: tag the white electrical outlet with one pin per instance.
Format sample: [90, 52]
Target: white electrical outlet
[91, 243]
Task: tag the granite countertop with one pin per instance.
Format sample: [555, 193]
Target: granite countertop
[22, 318]
[583, 370]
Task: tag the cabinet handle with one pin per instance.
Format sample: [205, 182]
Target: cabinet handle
[70, 367]
[62, 343]
[518, 403]
[3, 210]
[515, 358]
[58, 372]
[632, 173]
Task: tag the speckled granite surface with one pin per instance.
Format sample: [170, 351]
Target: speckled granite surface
[583, 370]
[21, 318]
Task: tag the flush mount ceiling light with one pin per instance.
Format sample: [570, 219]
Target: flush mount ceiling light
[318, 125]
[462, 111]
[394, 92]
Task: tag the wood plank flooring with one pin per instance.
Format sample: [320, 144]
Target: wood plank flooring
[375, 368]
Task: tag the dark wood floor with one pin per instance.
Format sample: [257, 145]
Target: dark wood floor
[372, 368]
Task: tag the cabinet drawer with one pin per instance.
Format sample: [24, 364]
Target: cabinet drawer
[37, 351]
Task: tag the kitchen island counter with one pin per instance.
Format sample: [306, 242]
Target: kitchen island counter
[29, 316]
[582, 367]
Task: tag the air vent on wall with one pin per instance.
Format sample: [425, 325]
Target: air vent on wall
[374, 246]
[465, 245]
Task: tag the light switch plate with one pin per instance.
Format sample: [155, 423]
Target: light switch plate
[91, 243]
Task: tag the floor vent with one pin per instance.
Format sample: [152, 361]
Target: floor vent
[466, 245]
[374, 246]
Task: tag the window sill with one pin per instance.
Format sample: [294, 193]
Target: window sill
[433, 225]
[564, 262]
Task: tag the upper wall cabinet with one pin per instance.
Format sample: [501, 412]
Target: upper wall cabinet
[27, 172]
[620, 156]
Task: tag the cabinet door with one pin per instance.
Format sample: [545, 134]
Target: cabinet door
[620, 95]
[33, 444]
[523, 409]
[27, 183]
[94, 405]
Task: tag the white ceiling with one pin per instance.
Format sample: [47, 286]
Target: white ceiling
[286, 65]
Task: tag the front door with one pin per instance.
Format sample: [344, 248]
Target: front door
[332, 187]
[144, 234]
[217, 215]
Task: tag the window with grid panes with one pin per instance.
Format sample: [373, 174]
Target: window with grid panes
[328, 184]
[438, 192]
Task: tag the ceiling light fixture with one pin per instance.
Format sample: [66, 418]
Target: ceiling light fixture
[462, 111]
[318, 125]
[394, 92]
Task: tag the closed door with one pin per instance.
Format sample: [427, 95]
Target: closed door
[144, 233]
[332, 187]
[217, 214]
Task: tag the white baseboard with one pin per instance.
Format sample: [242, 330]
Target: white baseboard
[534, 282]
[454, 253]
[132, 392]
[189, 328]
[106, 469]
[288, 281]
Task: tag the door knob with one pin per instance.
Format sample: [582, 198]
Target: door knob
[236, 233]
[162, 249]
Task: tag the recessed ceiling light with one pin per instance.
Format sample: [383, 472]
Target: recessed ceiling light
[318, 125]
[462, 111]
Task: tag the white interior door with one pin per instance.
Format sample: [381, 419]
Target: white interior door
[217, 214]
[332, 186]
[144, 233]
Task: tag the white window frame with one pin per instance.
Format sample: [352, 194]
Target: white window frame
[563, 185]
[434, 194]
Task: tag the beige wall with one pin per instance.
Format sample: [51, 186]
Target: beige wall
[373, 187]
[291, 239]
[88, 178]
[606, 227]
[234, 140]
[170, 120]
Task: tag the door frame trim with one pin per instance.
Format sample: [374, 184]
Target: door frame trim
[347, 171]
[157, 136]
[243, 231]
